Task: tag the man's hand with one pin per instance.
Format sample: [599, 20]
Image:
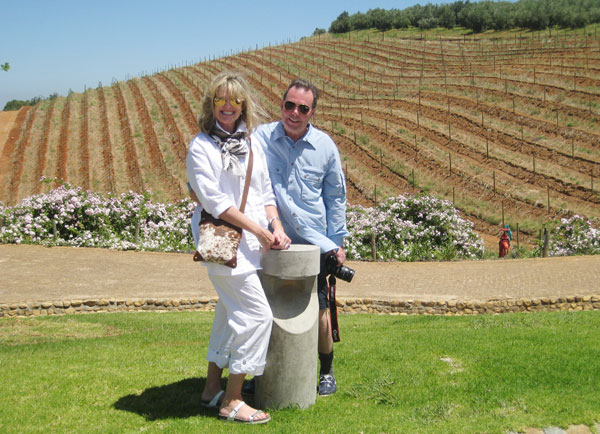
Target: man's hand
[340, 255]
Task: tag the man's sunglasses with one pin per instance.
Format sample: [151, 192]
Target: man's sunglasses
[220, 102]
[290, 106]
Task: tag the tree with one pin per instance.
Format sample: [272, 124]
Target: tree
[5, 67]
[476, 16]
[400, 19]
[360, 21]
[380, 19]
[446, 17]
[16, 104]
[427, 23]
[341, 24]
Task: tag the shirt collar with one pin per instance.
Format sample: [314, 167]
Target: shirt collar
[308, 137]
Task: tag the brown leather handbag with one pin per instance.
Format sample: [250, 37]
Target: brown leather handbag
[219, 241]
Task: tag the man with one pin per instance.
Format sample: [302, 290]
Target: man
[310, 189]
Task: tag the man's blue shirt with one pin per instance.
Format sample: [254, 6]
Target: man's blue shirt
[308, 183]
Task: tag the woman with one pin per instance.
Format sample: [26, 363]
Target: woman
[216, 167]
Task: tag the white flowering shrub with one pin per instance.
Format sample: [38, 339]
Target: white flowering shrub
[72, 217]
[573, 236]
[411, 228]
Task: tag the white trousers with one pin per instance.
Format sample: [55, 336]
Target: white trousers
[241, 330]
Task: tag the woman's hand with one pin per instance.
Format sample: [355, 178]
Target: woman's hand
[266, 239]
[235, 217]
[282, 241]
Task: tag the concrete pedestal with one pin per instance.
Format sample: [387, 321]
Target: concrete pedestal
[289, 278]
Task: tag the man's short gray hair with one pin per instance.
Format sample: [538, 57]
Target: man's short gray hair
[306, 85]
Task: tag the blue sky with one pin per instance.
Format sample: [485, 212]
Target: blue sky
[54, 46]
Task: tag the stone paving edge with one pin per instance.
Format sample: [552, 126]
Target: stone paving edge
[345, 305]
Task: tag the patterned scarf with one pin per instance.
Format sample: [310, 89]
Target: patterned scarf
[232, 147]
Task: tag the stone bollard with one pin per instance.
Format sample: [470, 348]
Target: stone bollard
[289, 278]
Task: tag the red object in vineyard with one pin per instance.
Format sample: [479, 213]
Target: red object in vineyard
[504, 243]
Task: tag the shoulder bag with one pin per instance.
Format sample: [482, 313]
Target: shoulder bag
[218, 241]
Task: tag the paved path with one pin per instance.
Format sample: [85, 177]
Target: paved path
[35, 273]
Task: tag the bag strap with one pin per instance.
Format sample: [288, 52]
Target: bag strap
[248, 176]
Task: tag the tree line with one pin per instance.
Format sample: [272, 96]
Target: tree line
[478, 17]
[16, 104]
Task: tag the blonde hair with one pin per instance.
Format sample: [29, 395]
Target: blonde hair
[236, 86]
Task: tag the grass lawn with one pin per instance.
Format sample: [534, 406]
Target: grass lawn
[133, 372]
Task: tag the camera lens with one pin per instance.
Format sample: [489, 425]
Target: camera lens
[341, 272]
[345, 273]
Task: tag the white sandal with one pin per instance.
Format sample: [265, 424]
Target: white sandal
[214, 402]
[251, 420]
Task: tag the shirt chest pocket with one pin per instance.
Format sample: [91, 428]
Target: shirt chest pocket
[311, 180]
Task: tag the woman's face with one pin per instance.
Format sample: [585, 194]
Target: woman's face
[226, 112]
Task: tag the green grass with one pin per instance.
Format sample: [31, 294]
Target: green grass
[116, 373]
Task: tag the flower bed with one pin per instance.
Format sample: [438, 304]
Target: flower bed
[403, 228]
[73, 217]
[411, 228]
[574, 236]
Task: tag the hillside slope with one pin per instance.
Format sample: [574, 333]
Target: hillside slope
[505, 126]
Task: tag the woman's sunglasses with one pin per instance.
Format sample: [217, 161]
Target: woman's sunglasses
[290, 106]
[220, 102]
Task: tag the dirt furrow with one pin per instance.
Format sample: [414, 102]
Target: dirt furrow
[41, 154]
[105, 143]
[84, 151]
[62, 153]
[176, 140]
[132, 164]
[11, 158]
[196, 91]
[154, 153]
[184, 105]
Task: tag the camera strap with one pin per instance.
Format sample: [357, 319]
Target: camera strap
[335, 330]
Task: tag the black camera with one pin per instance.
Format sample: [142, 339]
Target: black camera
[341, 272]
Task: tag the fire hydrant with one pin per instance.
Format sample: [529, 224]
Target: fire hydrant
[504, 243]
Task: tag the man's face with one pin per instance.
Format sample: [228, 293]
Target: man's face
[294, 121]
